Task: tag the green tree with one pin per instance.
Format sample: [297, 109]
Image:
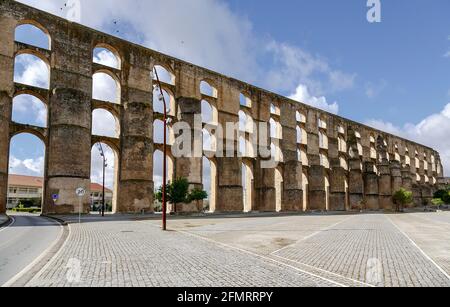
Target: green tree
[176, 192]
[402, 198]
[446, 198]
[197, 195]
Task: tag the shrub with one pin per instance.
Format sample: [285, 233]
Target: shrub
[402, 198]
[446, 198]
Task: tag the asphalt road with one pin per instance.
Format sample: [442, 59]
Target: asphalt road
[23, 242]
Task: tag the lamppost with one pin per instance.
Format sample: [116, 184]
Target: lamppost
[102, 154]
[164, 200]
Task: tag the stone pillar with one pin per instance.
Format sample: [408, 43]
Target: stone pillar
[338, 193]
[7, 26]
[264, 188]
[356, 183]
[396, 175]
[69, 144]
[427, 194]
[407, 180]
[371, 189]
[135, 190]
[385, 185]
[230, 193]
[191, 167]
[292, 194]
[417, 194]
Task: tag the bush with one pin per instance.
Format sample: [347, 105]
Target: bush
[26, 210]
[437, 202]
[446, 198]
[402, 198]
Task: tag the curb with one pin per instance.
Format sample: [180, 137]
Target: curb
[7, 222]
[60, 221]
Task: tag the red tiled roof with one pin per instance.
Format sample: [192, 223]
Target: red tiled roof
[38, 182]
[25, 181]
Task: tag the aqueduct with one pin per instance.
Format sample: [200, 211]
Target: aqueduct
[327, 162]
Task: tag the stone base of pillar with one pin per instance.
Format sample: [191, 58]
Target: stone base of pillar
[292, 201]
[68, 202]
[3, 192]
[372, 202]
[317, 200]
[355, 201]
[135, 197]
[386, 202]
[338, 201]
[230, 199]
[265, 200]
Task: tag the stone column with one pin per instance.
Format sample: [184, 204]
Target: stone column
[136, 154]
[371, 189]
[355, 182]
[338, 175]
[191, 167]
[264, 188]
[69, 144]
[385, 185]
[396, 174]
[7, 26]
[292, 196]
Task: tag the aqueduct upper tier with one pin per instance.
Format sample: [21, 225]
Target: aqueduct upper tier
[326, 162]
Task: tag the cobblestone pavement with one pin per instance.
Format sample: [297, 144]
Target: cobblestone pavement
[303, 250]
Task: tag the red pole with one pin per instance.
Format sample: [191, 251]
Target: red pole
[164, 201]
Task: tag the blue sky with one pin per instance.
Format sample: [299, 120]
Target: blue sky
[392, 75]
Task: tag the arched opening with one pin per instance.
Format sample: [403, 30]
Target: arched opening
[242, 146]
[104, 123]
[158, 103]
[107, 57]
[29, 110]
[164, 75]
[208, 143]
[247, 187]
[305, 188]
[158, 133]
[99, 152]
[32, 35]
[207, 89]
[209, 115]
[158, 159]
[31, 70]
[209, 183]
[26, 173]
[278, 189]
[105, 88]
[275, 129]
[300, 117]
[245, 101]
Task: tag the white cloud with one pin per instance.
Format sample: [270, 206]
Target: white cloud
[447, 54]
[105, 88]
[32, 71]
[97, 166]
[104, 124]
[213, 36]
[27, 167]
[29, 110]
[106, 58]
[374, 89]
[303, 95]
[432, 131]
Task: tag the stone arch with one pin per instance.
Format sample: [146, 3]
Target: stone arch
[208, 88]
[34, 166]
[158, 157]
[158, 132]
[209, 112]
[34, 29]
[165, 74]
[23, 105]
[158, 103]
[106, 86]
[107, 55]
[247, 186]
[245, 100]
[105, 123]
[278, 180]
[111, 171]
[305, 188]
[209, 181]
[33, 69]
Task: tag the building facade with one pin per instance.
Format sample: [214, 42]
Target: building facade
[23, 189]
[326, 162]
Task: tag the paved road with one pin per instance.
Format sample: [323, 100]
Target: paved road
[23, 242]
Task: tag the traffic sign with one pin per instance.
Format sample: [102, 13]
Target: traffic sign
[80, 192]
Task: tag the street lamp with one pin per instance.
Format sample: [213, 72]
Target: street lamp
[102, 154]
[164, 200]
